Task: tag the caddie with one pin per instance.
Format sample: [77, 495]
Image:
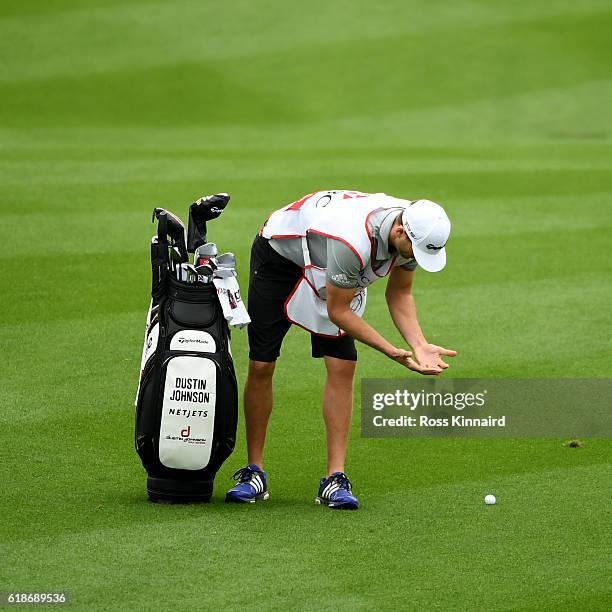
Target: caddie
[311, 265]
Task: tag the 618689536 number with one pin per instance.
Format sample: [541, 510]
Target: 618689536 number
[30, 597]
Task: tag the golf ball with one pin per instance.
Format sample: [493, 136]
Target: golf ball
[490, 499]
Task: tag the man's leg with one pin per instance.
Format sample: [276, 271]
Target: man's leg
[337, 410]
[272, 278]
[257, 407]
[335, 489]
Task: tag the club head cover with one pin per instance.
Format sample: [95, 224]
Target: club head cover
[169, 224]
[159, 264]
[202, 210]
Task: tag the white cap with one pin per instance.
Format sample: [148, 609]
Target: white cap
[428, 228]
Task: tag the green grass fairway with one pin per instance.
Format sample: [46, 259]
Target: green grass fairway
[501, 111]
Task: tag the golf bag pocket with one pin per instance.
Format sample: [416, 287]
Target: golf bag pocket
[193, 314]
[188, 412]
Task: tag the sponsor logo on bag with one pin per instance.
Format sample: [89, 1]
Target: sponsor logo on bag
[188, 410]
[190, 390]
[182, 412]
[185, 439]
[193, 340]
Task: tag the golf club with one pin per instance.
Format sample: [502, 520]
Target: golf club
[175, 258]
[226, 260]
[204, 252]
[224, 272]
[209, 268]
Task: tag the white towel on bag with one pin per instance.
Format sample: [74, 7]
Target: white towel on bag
[229, 296]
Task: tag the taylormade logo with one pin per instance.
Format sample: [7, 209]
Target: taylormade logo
[433, 247]
[193, 340]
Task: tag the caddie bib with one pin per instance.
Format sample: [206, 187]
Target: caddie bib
[338, 214]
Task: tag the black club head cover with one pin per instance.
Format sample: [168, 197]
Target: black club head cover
[202, 210]
[169, 224]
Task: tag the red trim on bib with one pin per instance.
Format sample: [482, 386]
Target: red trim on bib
[367, 229]
[306, 278]
[285, 236]
[372, 254]
[348, 244]
[297, 205]
[303, 277]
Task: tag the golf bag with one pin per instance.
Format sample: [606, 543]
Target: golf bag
[187, 400]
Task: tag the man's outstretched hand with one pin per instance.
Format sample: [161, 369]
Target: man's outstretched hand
[429, 356]
[405, 358]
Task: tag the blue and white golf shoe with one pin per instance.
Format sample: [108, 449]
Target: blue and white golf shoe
[335, 492]
[252, 486]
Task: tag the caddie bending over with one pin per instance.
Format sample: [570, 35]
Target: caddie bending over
[311, 265]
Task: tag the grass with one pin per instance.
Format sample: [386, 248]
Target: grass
[500, 112]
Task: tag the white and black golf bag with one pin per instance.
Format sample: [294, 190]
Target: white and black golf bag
[187, 401]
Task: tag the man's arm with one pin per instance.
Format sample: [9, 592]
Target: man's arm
[402, 307]
[340, 313]
[403, 312]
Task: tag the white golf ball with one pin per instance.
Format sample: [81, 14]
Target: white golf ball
[490, 499]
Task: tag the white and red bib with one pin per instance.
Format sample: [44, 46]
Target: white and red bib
[338, 214]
